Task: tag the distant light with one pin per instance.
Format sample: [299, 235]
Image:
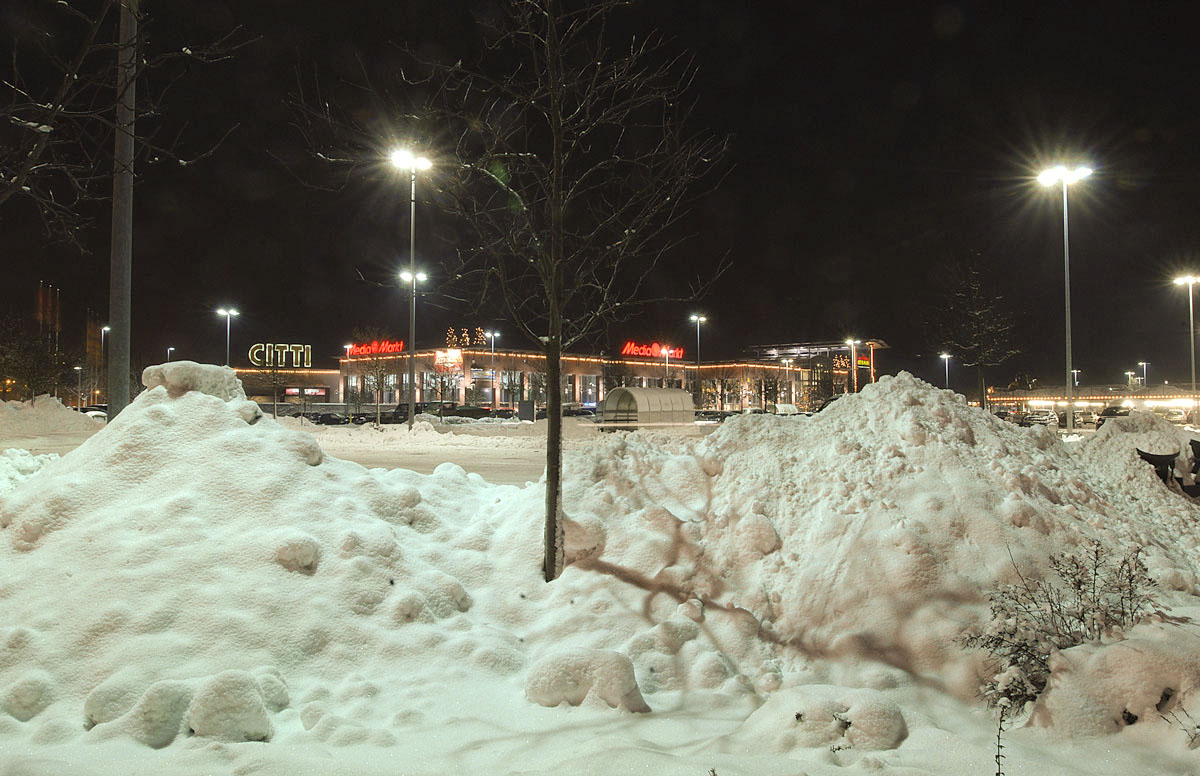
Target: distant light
[403, 159]
[106, 328]
[945, 355]
[1062, 174]
[78, 369]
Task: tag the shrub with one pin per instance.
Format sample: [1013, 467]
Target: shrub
[1088, 599]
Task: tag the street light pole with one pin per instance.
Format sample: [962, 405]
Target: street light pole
[853, 343]
[787, 377]
[1063, 176]
[103, 374]
[946, 359]
[79, 394]
[1143, 365]
[169, 353]
[698, 319]
[229, 314]
[491, 335]
[403, 159]
[1190, 280]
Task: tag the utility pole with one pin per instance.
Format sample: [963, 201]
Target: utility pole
[120, 277]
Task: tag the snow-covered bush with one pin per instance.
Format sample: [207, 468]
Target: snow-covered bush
[1091, 600]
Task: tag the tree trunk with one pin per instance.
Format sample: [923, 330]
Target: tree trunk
[553, 560]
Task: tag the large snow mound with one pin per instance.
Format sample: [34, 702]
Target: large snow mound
[195, 572]
[44, 415]
[877, 527]
[16, 466]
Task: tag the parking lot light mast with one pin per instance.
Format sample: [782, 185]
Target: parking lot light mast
[946, 359]
[697, 319]
[79, 395]
[1061, 175]
[169, 353]
[103, 373]
[491, 335]
[1129, 378]
[229, 315]
[1191, 281]
[404, 159]
[787, 377]
[853, 343]
[1143, 365]
[412, 279]
[1075, 374]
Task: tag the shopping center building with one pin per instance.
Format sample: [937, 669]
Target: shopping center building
[804, 374]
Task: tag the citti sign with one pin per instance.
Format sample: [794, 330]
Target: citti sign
[268, 354]
[376, 348]
[651, 351]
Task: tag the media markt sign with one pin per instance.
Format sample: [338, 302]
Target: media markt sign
[270, 354]
[654, 350]
[376, 348]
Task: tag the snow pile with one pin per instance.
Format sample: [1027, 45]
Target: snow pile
[19, 465]
[44, 415]
[255, 589]
[876, 528]
[204, 574]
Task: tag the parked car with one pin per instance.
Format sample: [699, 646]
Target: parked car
[100, 416]
[1086, 417]
[504, 413]
[783, 409]
[1111, 412]
[830, 400]
[1040, 418]
[332, 419]
[1176, 415]
[468, 411]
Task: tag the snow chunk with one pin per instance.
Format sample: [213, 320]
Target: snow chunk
[28, 697]
[823, 716]
[179, 377]
[573, 676]
[230, 707]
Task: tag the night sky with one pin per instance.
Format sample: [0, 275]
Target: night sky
[872, 143]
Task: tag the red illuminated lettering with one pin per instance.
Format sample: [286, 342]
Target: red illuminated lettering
[376, 348]
[651, 351]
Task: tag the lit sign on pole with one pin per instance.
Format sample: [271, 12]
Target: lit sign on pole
[268, 354]
[651, 351]
[376, 348]
[448, 360]
[864, 361]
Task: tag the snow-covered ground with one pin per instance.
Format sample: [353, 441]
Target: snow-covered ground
[198, 589]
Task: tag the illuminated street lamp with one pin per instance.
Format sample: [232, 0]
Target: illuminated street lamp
[491, 335]
[1051, 177]
[853, 343]
[79, 395]
[697, 319]
[1075, 374]
[1191, 280]
[403, 159]
[787, 377]
[169, 353]
[229, 314]
[412, 278]
[946, 359]
[1143, 365]
[1129, 377]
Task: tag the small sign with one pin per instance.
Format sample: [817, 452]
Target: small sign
[376, 348]
[450, 360]
[654, 350]
[270, 354]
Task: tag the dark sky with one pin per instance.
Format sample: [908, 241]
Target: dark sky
[871, 144]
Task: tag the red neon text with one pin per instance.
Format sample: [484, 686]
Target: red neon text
[378, 347]
[651, 351]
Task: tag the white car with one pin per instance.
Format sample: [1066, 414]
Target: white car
[1040, 418]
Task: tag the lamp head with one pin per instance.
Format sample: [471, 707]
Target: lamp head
[106, 328]
[946, 355]
[1186, 279]
[78, 369]
[1061, 174]
[403, 159]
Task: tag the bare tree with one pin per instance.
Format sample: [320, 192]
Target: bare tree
[57, 98]
[573, 170]
[974, 324]
[373, 369]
